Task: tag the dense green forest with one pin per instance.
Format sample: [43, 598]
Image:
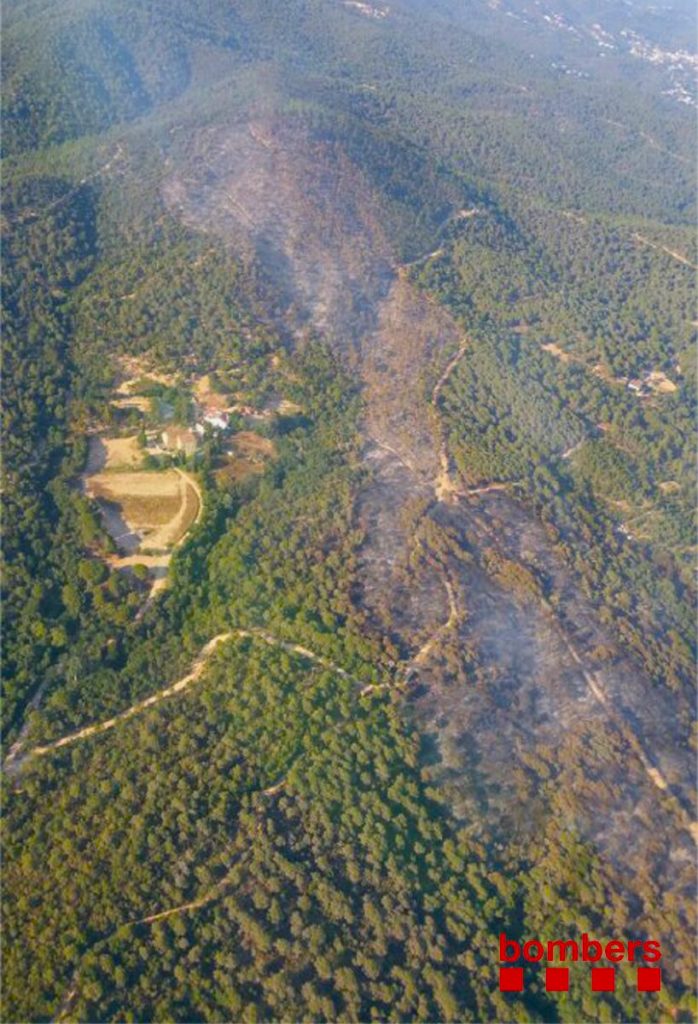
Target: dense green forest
[311, 827]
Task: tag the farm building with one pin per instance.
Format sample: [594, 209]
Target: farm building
[180, 439]
[217, 420]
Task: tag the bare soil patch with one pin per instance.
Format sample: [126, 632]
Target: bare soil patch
[109, 453]
[250, 445]
[556, 351]
[248, 455]
[208, 398]
[233, 470]
[139, 402]
[659, 381]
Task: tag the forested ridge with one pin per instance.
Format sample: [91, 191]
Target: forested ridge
[502, 282]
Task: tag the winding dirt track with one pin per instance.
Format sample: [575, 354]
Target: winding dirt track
[35, 214]
[444, 485]
[182, 684]
[158, 563]
[450, 623]
[662, 248]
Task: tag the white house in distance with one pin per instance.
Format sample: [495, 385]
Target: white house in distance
[218, 420]
[215, 420]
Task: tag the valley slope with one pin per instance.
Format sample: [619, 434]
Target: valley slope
[441, 637]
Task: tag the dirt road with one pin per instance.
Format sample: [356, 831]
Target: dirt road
[15, 760]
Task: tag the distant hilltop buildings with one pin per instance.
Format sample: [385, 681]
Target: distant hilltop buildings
[216, 420]
[186, 439]
[180, 439]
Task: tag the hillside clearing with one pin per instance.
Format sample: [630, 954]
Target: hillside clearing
[110, 453]
[146, 511]
[250, 445]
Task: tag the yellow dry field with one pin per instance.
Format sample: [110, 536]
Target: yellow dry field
[123, 452]
[172, 532]
[113, 453]
[160, 507]
[146, 499]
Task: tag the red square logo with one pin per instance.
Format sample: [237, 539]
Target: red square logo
[557, 979]
[649, 979]
[603, 979]
[511, 979]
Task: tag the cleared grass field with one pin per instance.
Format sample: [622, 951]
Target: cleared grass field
[114, 453]
[172, 532]
[146, 511]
